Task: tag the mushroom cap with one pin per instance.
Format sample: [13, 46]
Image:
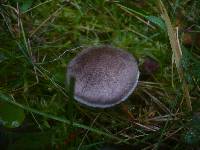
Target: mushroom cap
[104, 76]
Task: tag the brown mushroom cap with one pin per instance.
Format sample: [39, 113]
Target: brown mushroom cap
[105, 76]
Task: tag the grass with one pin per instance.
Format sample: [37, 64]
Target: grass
[39, 38]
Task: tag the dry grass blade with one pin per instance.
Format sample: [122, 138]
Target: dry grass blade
[45, 21]
[156, 101]
[45, 2]
[135, 14]
[88, 131]
[176, 49]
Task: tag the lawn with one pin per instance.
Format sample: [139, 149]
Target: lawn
[39, 38]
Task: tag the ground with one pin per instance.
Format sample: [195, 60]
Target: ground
[39, 38]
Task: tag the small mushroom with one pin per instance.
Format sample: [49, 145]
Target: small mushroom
[104, 76]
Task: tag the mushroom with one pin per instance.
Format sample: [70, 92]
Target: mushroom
[104, 76]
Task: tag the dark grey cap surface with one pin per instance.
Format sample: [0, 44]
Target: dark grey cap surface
[105, 76]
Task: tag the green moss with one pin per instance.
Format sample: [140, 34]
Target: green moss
[36, 47]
